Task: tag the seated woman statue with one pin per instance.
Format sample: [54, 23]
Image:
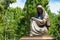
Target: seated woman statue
[39, 23]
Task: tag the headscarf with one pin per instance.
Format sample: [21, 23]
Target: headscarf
[44, 12]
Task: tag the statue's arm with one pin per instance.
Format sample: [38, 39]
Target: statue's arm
[38, 21]
[43, 21]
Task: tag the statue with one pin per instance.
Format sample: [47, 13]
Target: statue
[39, 23]
[39, 26]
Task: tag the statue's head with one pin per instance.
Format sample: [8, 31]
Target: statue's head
[40, 9]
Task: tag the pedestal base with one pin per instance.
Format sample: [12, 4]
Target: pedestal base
[37, 38]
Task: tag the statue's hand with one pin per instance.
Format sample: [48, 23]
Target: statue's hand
[32, 18]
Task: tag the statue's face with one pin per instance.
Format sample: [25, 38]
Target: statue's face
[39, 10]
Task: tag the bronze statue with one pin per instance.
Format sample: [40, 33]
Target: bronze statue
[39, 23]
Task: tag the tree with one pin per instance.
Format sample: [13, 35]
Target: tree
[28, 12]
[13, 17]
[4, 4]
[55, 25]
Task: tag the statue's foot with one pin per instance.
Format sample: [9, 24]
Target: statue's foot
[31, 34]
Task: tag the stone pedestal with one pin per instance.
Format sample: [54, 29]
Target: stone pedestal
[37, 38]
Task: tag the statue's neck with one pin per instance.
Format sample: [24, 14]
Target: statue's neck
[40, 14]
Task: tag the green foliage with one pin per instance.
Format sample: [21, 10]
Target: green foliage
[13, 17]
[58, 27]
[15, 22]
[6, 3]
[54, 29]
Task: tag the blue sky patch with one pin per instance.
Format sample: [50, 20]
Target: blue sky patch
[54, 5]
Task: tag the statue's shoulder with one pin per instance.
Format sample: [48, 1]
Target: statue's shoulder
[46, 16]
